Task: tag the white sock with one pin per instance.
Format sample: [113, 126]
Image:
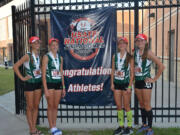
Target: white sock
[53, 129]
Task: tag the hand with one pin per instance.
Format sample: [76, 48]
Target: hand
[46, 92]
[26, 78]
[128, 90]
[149, 80]
[112, 87]
[63, 93]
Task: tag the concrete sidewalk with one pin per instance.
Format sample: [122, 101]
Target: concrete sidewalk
[11, 125]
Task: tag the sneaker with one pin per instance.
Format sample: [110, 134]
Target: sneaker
[59, 132]
[56, 132]
[127, 131]
[118, 131]
[141, 129]
[150, 132]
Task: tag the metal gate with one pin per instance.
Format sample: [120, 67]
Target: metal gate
[158, 19]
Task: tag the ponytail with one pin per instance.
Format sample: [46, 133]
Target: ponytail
[145, 53]
[128, 59]
[31, 58]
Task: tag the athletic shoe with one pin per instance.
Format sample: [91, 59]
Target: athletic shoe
[127, 131]
[141, 129]
[150, 132]
[118, 131]
[56, 132]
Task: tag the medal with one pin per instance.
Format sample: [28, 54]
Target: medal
[55, 73]
[55, 60]
[36, 72]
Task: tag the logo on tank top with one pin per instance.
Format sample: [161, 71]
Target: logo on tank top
[84, 40]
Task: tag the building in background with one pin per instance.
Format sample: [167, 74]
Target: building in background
[6, 39]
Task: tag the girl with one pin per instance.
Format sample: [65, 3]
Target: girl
[32, 81]
[121, 83]
[143, 81]
[53, 82]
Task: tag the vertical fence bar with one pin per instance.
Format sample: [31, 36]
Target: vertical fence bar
[149, 28]
[169, 86]
[92, 113]
[129, 29]
[86, 114]
[142, 17]
[156, 31]
[123, 20]
[136, 31]
[13, 8]
[177, 29]
[23, 44]
[32, 18]
[20, 54]
[162, 111]
[98, 113]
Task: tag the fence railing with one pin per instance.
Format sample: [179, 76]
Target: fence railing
[159, 20]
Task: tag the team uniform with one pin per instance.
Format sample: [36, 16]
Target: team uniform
[143, 69]
[144, 72]
[121, 82]
[122, 73]
[32, 68]
[53, 74]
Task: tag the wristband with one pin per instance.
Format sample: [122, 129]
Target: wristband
[64, 87]
[130, 87]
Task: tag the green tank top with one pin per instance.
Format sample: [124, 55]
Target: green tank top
[32, 68]
[122, 72]
[144, 66]
[53, 74]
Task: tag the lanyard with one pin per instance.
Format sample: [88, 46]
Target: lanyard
[36, 61]
[121, 61]
[55, 60]
[139, 60]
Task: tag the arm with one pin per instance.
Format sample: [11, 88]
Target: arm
[64, 91]
[112, 73]
[44, 66]
[161, 67]
[16, 66]
[131, 75]
[131, 72]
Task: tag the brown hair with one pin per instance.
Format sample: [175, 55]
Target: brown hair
[31, 58]
[128, 58]
[145, 53]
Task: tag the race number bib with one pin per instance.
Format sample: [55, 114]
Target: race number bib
[56, 74]
[119, 75]
[37, 73]
[148, 85]
[138, 71]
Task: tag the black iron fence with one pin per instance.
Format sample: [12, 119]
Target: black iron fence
[158, 19]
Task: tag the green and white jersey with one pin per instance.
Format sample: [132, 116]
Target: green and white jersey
[144, 67]
[122, 72]
[32, 68]
[53, 74]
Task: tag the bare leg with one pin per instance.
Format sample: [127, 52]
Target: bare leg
[37, 98]
[57, 97]
[50, 101]
[29, 109]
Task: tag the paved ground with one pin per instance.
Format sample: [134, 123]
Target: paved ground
[18, 124]
[11, 125]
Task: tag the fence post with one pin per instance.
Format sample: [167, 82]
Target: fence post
[136, 31]
[32, 7]
[33, 34]
[17, 99]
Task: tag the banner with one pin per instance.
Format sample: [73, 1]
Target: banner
[87, 43]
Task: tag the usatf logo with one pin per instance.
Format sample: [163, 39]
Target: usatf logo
[84, 40]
